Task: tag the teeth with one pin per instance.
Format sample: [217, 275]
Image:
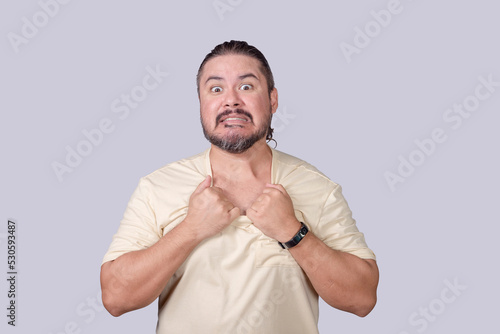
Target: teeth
[235, 119]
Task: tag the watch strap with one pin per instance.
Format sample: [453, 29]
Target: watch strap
[296, 239]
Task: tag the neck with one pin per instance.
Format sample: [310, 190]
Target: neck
[253, 162]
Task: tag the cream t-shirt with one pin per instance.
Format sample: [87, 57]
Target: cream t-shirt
[239, 281]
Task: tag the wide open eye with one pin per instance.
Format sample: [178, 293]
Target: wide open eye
[216, 89]
[246, 87]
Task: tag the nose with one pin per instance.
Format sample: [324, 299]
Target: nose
[232, 99]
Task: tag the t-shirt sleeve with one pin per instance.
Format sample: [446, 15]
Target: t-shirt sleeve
[338, 229]
[138, 229]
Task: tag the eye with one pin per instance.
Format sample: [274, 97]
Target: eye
[216, 89]
[246, 87]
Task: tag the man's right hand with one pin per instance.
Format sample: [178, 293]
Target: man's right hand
[136, 279]
[209, 211]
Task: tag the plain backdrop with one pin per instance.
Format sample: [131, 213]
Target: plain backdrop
[370, 92]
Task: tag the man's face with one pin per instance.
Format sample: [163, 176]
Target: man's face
[235, 105]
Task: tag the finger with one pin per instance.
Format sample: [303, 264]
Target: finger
[276, 186]
[250, 212]
[256, 206]
[217, 189]
[260, 198]
[253, 214]
[203, 185]
[268, 190]
[234, 213]
[272, 190]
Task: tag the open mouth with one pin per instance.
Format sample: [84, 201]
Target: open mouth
[237, 116]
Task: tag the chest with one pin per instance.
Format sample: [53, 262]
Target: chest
[241, 194]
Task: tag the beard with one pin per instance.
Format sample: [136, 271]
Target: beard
[235, 142]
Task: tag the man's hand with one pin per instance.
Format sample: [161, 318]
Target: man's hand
[343, 280]
[209, 211]
[137, 278]
[272, 213]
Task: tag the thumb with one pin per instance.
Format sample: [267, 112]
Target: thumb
[277, 187]
[234, 213]
[203, 185]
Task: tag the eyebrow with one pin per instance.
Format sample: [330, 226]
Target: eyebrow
[248, 75]
[241, 77]
[213, 78]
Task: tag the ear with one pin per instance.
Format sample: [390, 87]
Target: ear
[274, 100]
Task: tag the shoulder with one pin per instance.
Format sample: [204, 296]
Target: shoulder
[293, 171]
[185, 171]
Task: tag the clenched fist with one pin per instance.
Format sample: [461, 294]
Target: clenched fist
[273, 214]
[209, 211]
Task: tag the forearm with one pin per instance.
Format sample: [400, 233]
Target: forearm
[136, 279]
[342, 280]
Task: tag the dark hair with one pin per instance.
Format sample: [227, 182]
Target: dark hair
[241, 48]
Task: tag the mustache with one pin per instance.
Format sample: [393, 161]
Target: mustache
[235, 111]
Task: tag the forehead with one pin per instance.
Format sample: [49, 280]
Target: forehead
[231, 65]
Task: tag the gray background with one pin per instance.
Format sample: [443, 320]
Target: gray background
[352, 118]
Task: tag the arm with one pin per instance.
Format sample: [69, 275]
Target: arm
[343, 280]
[136, 279]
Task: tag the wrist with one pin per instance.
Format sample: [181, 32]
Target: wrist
[289, 231]
[296, 238]
[190, 232]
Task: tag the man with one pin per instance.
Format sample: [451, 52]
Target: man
[241, 238]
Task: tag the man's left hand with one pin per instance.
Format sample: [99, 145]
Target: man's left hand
[273, 214]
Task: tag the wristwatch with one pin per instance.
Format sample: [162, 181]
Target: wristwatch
[296, 239]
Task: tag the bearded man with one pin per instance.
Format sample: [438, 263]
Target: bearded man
[241, 238]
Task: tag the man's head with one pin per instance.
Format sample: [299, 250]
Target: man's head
[237, 96]
[239, 48]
